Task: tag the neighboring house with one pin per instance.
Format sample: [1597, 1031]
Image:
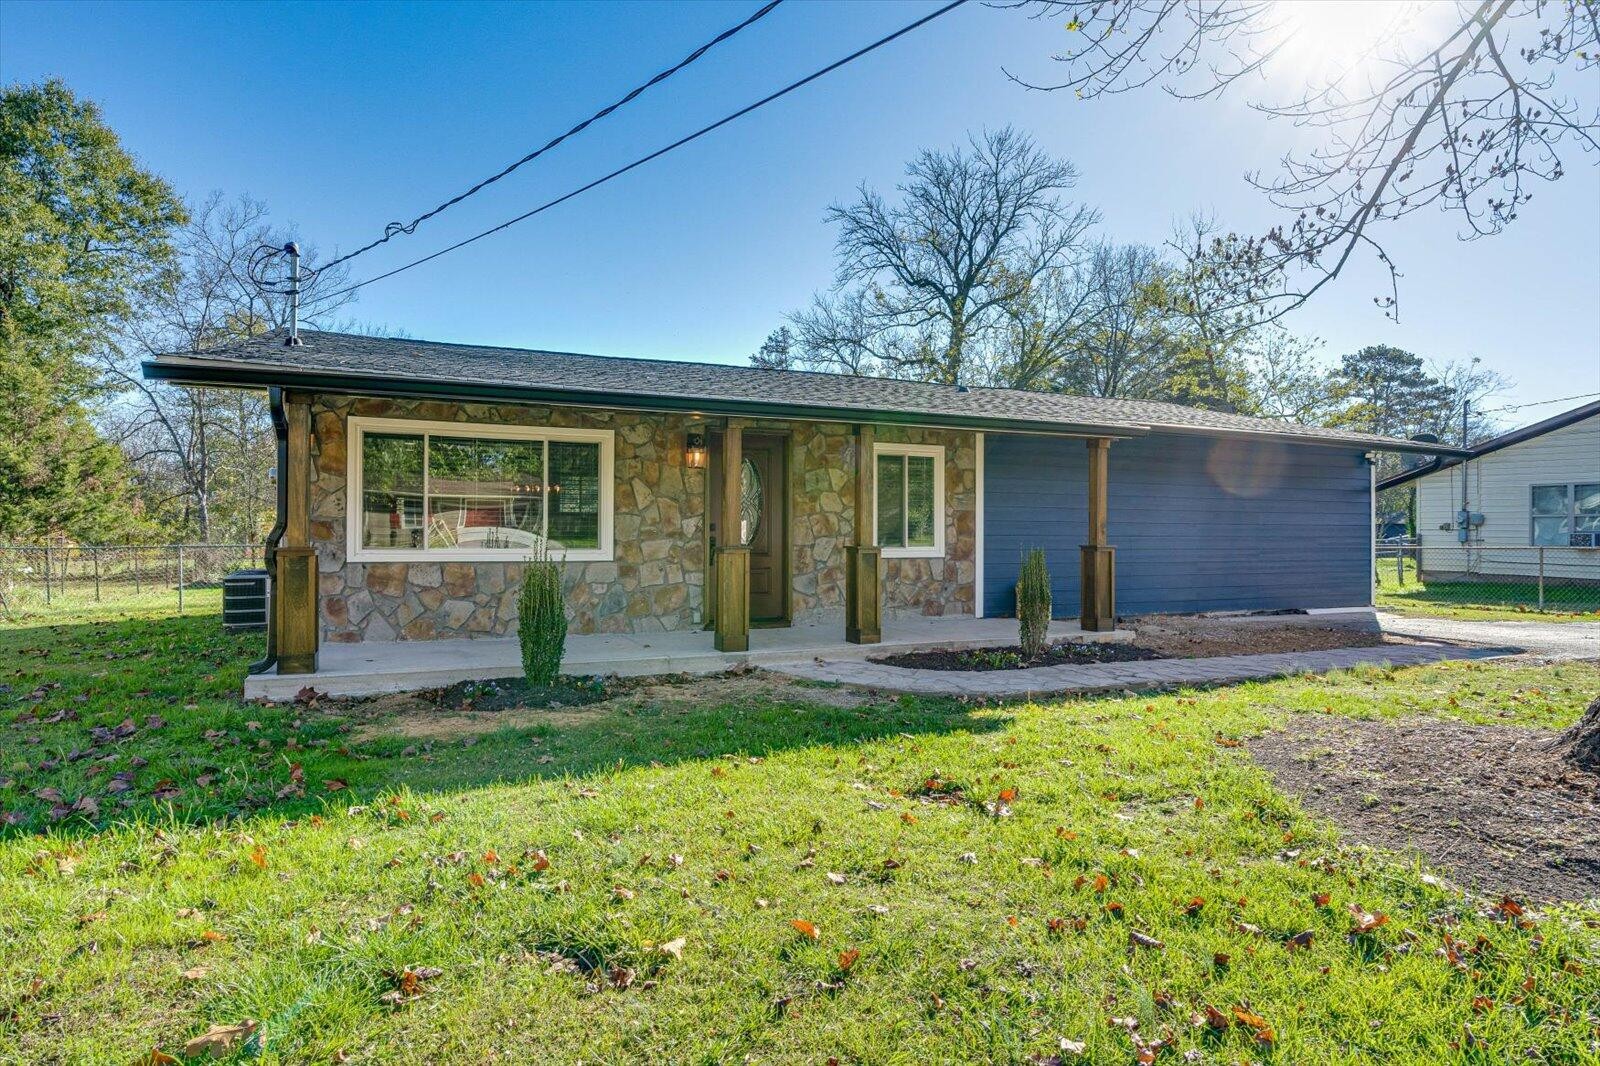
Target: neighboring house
[1489, 514]
[418, 476]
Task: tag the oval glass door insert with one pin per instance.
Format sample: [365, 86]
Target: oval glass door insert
[749, 501]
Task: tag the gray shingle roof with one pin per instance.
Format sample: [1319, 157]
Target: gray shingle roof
[354, 363]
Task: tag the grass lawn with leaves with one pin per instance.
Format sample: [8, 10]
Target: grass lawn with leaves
[740, 874]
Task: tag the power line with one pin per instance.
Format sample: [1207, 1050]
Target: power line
[1541, 403]
[394, 229]
[658, 153]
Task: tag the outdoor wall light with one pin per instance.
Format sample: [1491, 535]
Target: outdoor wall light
[696, 455]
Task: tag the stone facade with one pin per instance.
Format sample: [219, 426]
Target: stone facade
[657, 579]
[823, 484]
[654, 583]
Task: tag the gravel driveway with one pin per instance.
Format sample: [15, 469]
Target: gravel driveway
[1555, 640]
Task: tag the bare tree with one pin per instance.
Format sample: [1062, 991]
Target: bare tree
[1125, 347]
[1466, 115]
[181, 441]
[922, 282]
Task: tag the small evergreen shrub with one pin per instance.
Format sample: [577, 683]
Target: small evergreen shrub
[1033, 603]
[541, 619]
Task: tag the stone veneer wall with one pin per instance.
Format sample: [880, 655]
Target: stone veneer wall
[822, 524]
[658, 577]
[654, 583]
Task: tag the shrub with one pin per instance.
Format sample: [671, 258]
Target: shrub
[1033, 603]
[541, 619]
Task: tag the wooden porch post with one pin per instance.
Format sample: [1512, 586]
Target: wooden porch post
[1097, 573]
[733, 557]
[294, 591]
[863, 598]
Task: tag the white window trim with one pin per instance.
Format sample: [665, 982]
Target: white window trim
[357, 428]
[936, 452]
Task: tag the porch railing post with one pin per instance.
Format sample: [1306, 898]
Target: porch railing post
[863, 586]
[1097, 570]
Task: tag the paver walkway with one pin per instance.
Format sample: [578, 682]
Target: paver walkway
[1092, 677]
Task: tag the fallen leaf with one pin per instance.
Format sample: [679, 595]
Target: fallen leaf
[673, 947]
[1365, 922]
[1300, 940]
[194, 973]
[333, 784]
[1144, 940]
[154, 1057]
[258, 855]
[806, 929]
[219, 1040]
[837, 879]
[847, 958]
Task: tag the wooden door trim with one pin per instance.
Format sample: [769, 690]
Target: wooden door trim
[785, 435]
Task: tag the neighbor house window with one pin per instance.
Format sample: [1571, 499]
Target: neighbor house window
[446, 490]
[909, 495]
[1567, 515]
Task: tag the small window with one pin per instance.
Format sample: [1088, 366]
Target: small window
[453, 490]
[1554, 517]
[909, 496]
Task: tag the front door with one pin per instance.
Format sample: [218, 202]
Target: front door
[764, 521]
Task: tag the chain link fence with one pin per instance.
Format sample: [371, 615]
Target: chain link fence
[1455, 578]
[36, 578]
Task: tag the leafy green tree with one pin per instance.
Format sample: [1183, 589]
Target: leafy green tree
[83, 231]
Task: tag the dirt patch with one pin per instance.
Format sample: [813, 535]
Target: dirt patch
[1172, 637]
[1011, 658]
[439, 714]
[1492, 805]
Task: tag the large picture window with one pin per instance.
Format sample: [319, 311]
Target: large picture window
[1566, 515]
[447, 490]
[909, 500]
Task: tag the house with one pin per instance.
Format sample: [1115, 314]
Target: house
[704, 498]
[1525, 503]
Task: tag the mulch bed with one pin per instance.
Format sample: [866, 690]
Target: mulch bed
[508, 693]
[1490, 805]
[983, 660]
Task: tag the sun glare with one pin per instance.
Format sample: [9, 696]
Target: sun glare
[1330, 40]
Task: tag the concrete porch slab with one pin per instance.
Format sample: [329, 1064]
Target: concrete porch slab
[402, 666]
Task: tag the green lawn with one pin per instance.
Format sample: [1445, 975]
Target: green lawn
[1483, 601]
[620, 883]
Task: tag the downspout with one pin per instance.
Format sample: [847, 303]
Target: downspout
[280, 431]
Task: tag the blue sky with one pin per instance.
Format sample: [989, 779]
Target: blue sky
[345, 116]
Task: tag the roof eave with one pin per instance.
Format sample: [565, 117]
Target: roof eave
[198, 370]
[181, 370]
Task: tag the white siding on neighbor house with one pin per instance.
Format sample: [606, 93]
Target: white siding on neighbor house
[1500, 487]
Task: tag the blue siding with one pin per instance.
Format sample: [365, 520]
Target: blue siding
[1199, 523]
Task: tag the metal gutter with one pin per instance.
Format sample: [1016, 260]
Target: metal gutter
[280, 432]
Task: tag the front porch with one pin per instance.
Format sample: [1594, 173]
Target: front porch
[398, 666]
